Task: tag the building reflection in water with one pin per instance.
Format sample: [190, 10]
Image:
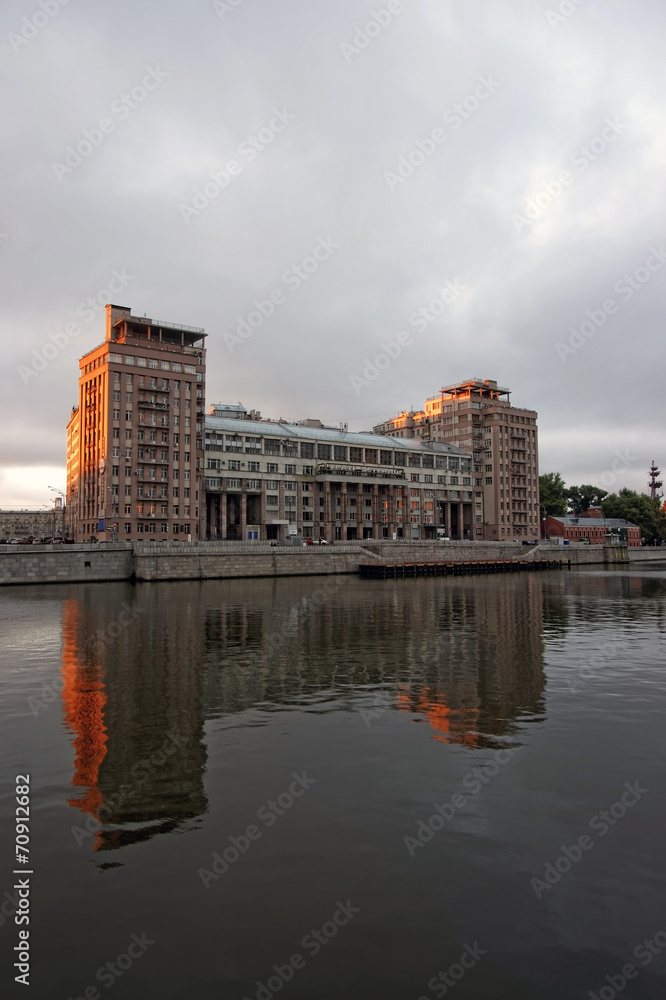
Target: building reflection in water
[466, 655]
[145, 666]
[131, 698]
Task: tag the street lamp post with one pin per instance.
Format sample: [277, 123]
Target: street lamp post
[64, 510]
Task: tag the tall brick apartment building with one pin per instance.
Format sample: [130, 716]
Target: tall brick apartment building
[477, 415]
[135, 440]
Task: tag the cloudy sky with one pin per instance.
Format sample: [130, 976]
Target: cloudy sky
[483, 180]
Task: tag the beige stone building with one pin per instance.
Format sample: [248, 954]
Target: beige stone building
[44, 523]
[477, 415]
[135, 440]
[269, 479]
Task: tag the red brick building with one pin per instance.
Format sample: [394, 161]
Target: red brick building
[592, 527]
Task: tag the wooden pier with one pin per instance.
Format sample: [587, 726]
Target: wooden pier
[390, 571]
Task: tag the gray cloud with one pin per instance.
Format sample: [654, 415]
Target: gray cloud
[324, 176]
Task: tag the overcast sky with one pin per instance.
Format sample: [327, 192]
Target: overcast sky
[507, 153]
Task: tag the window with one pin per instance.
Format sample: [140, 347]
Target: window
[453, 480]
[152, 362]
[489, 468]
[116, 414]
[355, 454]
[384, 457]
[441, 480]
[254, 484]
[340, 453]
[415, 461]
[288, 485]
[253, 466]
[128, 528]
[290, 470]
[128, 490]
[428, 479]
[272, 500]
[234, 465]
[272, 484]
[308, 470]
[415, 477]
[128, 416]
[307, 450]
[271, 467]
[116, 397]
[489, 480]
[324, 452]
[233, 484]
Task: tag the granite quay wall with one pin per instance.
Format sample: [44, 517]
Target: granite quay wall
[648, 553]
[106, 561]
[65, 563]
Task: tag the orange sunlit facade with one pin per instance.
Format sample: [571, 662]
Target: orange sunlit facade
[135, 439]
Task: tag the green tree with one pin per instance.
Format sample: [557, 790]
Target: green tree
[647, 513]
[553, 494]
[581, 498]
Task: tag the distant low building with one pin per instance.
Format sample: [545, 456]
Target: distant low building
[32, 523]
[593, 528]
